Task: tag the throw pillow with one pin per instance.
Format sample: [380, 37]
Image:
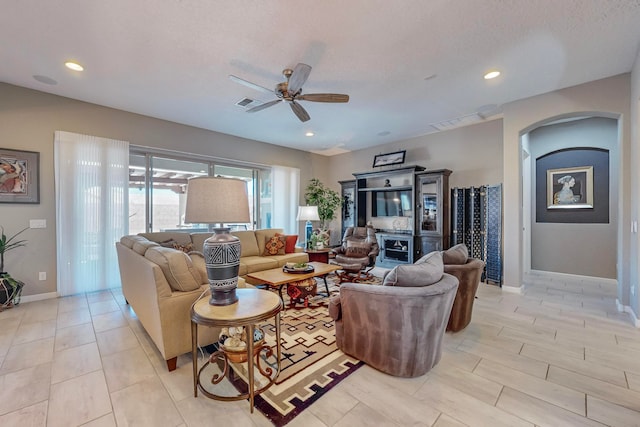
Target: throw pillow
[175, 245]
[457, 254]
[274, 246]
[290, 242]
[357, 249]
[426, 273]
[177, 268]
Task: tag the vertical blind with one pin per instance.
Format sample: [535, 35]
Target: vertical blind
[286, 187]
[91, 186]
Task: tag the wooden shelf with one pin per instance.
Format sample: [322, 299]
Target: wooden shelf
[396, 188]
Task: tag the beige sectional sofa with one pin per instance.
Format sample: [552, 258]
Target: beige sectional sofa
[160, 282]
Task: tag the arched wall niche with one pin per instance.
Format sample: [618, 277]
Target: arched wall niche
[576, 249]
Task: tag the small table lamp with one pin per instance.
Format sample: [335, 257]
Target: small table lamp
[212, 200]
[308, 213]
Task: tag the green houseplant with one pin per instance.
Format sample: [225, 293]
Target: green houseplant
[328, 202]
[10, 288]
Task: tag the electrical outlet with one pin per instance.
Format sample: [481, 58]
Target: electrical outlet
[42, 275]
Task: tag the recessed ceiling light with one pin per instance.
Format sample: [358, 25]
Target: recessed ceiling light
[309, 134]
[491, 75]
[73, 66]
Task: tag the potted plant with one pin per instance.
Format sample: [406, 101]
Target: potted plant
[328, 202]
[10, 288]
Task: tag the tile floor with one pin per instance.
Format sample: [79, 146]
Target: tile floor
[559, 355]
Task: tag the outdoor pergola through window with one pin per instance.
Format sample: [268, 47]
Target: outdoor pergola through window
[158, 184]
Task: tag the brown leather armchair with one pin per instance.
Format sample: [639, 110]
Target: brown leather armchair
[357, 254]
[468, 271]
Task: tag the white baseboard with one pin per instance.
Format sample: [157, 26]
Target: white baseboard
[571, 277]
[513, 289]
[627, 309]
[38, 297]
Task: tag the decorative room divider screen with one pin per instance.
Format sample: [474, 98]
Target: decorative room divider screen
[476, 220]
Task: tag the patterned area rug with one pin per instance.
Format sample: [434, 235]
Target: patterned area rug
[311, 362]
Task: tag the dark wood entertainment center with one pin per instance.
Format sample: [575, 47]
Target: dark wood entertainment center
[408, 206]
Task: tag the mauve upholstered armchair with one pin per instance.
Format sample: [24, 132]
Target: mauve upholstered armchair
[397, 328]
[469, 272]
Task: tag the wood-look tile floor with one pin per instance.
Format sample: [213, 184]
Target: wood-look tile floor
[558, 355]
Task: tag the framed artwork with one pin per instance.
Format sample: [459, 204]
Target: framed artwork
[19, 176]
[395, 158]
[570, 188]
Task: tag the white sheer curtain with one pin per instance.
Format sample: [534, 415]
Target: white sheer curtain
[285, 191]
[91, 184]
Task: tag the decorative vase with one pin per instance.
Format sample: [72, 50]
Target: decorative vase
[222, 258]
[10, 291]
[324, 236]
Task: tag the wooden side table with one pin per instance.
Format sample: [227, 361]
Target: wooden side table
[319, 255]
[253, 306]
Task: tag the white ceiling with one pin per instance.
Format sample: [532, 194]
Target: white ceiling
[171, 59]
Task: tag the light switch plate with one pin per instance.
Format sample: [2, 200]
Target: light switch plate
[38, 223]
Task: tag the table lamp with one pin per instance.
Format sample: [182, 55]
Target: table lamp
[308, 213]
[213, 200]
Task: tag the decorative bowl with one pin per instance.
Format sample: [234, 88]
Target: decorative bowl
[240, 356]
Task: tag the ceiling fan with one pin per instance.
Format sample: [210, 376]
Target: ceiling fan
[291, 91]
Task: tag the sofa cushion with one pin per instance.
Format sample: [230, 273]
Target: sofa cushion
[198, 240]
[142, 246]
[274, 245]
[294, 257]
[248, 243]
[180, 237]
[428, 271]
[197, 259]
[457, 254]
[259, 263]
[177, 268]
[128, 241]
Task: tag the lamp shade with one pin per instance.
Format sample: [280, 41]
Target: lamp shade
[308, 213]
[216, 200]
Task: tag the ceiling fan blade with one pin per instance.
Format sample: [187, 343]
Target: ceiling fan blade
[299, 76]
[263, 106]
[249, 84]
[324, 97]
[299, 111]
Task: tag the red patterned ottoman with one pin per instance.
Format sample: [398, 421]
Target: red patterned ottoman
[300, 291]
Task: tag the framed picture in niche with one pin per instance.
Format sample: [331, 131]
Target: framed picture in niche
[395, 158]
[570, 188]
[19, 176]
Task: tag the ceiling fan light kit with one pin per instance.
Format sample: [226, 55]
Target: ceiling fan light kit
[291, 91]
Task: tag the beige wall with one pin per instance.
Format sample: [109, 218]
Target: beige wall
[28, 120]
[473, 153]
[634, 196]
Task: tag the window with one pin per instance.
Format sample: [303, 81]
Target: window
[158, 185]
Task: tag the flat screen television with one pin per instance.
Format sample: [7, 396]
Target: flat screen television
[391, 203]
